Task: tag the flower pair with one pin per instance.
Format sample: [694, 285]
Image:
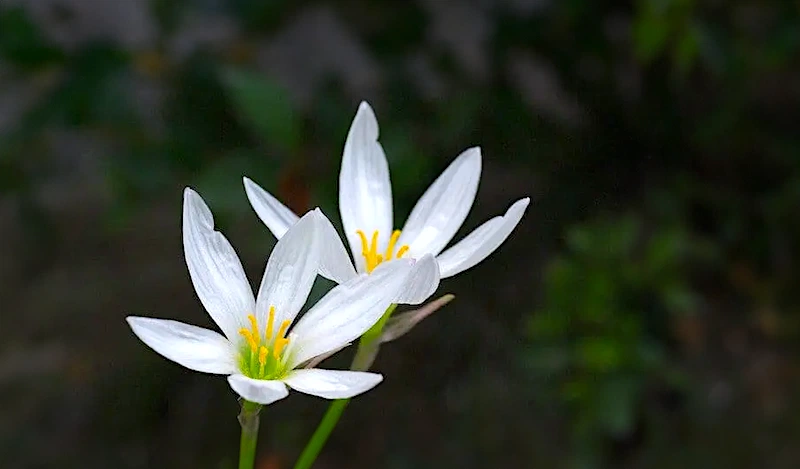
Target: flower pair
[263, 350]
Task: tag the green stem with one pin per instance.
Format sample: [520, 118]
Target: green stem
[321, 434]
[367, 349]
[248, 418]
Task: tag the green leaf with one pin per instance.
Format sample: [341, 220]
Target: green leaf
[264, 108]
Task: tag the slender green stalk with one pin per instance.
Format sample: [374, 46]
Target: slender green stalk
[365, 355]
[248, 418]
[321, 434]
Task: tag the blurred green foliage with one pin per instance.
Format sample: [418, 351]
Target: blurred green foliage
[608, 299]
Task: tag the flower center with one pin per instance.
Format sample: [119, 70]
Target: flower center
[264, 357]
[370, 250]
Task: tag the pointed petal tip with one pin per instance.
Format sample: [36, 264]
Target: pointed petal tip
[193, 347]
[365, 116]
[473, 152]
[188, 192]
[364, 105]
[132, 320]
[521, 204]
[252, 188]
[194, 201]
[320, 215]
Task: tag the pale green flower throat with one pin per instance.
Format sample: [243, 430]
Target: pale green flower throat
[264, 359]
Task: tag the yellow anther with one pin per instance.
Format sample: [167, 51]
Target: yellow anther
[257, 363]
[370, 249]
[280, 344]
[262, 359]
[284, 326]
[251, 341]
[392, 242]
[402, 251]
[270, 323]
[364, 247]
[254, 326]
[280, 340]
[373, 247]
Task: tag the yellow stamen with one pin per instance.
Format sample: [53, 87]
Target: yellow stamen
[373, 247]
[254, 325]
[284, 326]
[403, 249]
[370, 249]
[262, 359]
[270, 323]
[364, 248]
[248, 335]
[258, 363]
[280, 340]
[392, 242]
[279, 346]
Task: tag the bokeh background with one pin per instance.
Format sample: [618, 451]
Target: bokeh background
[643, 315]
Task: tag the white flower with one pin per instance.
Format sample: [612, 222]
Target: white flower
[260, 350]
[365, 203]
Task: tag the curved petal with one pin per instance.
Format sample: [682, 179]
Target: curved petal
[441, 210]
[258, 390]
[481, 242]
[214, 267]
[421, 282]
[274, 214]
[348, 310]
[335, 264]
[365, 192]
[291, 270]
[332, 384]
[193, 347]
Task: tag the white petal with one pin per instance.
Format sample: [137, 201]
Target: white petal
[481, 242]
[193, 347]
[274, 214]
[332, 384]
[348, 310]
[440, 212]
[421, 283]
[258, 390]
[214, 267]
[365, 193]
[291, 270]
[335, 264]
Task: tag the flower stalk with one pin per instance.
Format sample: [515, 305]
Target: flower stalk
[321, 434]
[249, 420]
[365, 355]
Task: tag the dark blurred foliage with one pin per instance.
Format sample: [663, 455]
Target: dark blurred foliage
[644, 314]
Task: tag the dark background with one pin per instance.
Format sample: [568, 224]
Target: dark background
[644, 314]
